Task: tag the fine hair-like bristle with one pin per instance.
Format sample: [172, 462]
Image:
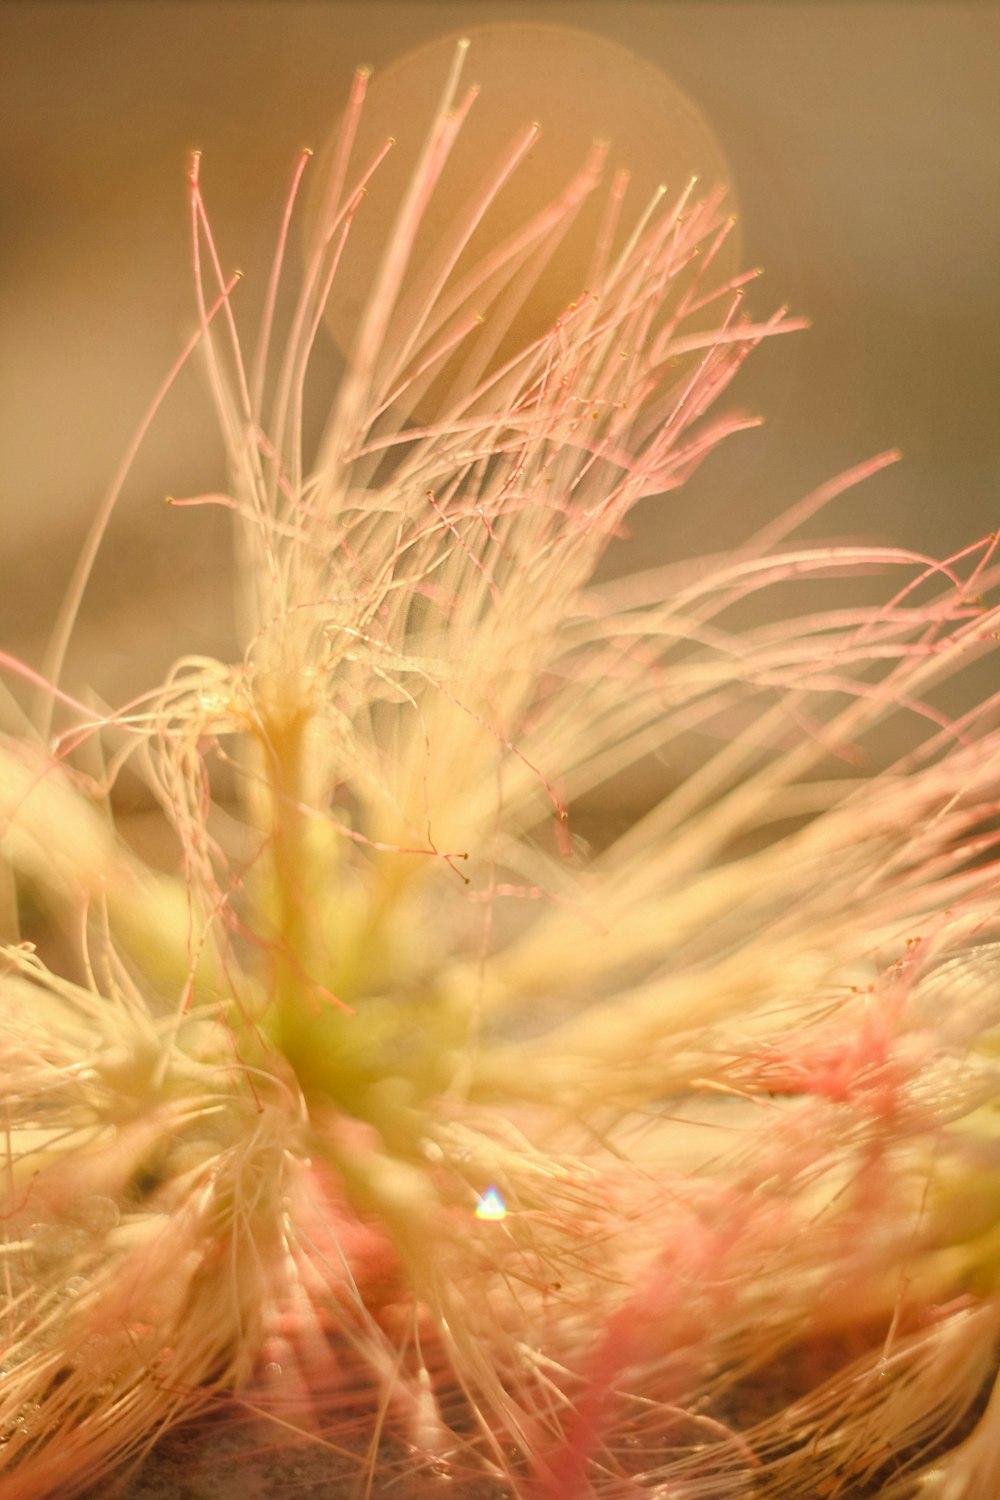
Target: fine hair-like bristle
[730, 1076]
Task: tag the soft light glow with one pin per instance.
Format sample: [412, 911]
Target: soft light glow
[491, 1206]
[557, 91]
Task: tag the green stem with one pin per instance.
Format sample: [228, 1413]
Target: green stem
[293, 949]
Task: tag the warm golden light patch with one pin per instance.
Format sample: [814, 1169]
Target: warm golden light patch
[576, 89]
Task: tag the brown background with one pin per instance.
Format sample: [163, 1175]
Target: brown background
[864, 142]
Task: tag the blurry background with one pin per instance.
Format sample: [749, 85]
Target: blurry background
[864, 145]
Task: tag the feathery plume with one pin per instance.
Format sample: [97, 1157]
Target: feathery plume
[401, 1118]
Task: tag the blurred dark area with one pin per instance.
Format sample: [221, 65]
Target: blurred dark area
[863, 141]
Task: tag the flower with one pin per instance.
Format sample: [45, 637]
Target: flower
[401, 1116]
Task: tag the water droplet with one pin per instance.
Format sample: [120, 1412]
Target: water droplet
[98, 1215]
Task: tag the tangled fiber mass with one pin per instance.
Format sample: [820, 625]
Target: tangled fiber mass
[398, 1116]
